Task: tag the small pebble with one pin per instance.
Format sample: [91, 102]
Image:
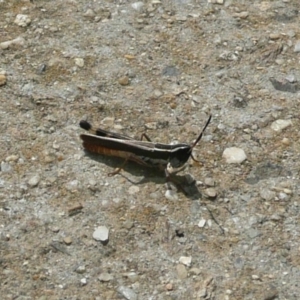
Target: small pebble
[80, 270]
[124, 80]
[132, 276]
[255, 277]
[241, 15]
[171, 195]
[22, 20]
[128, 224]
[5, 167]
[266, 194]
[68, 240]
[101, 234]
[291, 78]
[216, 1]
[83, 281]
[234, 155]
[185, 260]
[271, 295]
[209, 181]
[19, 41]
[89, 13]
[169, 287]
[195, 271]
[279, 125]
[133, 190]
[72, 185]
[297, 46]
[286, 141]
[288, 191]
[137, 5]
[211, 193]
[129, 56]
[105, 277]
[127, 293]
[12, 158]
[55, 229]
[283, 196]
[274, 36]
[79, 62]
[181, 271]
[151, 125]
[34, 181]
[108, 121]
[2, 79]
[201, 223]
[275, 217]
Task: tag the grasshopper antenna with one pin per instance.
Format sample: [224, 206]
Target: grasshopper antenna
[199, 138]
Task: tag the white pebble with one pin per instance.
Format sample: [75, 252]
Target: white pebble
[22, 20]
[171, 195]
[34, 181]
[137, 5]
[185, 260]
[211, 193]
[101, 233]
[133, 190]
[127, 293]
[105, 277]
[19, 41]
[288, 191]
[297, 46]
[12, 158]
[279, 125]
[234, 155]
[283, 196]
[72, 185]
[109, 121]
[216, 1]
[79, 62]
[201, 223]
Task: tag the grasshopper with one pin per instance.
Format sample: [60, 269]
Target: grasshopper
[169, 158]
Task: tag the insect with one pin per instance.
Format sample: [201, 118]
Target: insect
[170, 158]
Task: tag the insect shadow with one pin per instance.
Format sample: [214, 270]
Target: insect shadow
[184, 183]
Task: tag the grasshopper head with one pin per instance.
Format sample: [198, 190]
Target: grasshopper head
[179, 156]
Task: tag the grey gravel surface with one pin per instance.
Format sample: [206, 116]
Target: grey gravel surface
[160, 67]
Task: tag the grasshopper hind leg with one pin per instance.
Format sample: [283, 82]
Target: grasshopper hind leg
[118, 170]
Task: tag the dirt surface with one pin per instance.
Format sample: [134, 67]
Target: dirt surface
[160, 67]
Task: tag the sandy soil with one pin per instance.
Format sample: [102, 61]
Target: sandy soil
[160, 67]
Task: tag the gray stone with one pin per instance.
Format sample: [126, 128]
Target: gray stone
[5, 167]
[297, 46]
[127, 293]
[181, 271]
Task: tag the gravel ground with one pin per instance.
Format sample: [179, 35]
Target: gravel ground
[160, 67]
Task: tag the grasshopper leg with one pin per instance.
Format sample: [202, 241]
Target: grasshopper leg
[144, 135]
[118, 170]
